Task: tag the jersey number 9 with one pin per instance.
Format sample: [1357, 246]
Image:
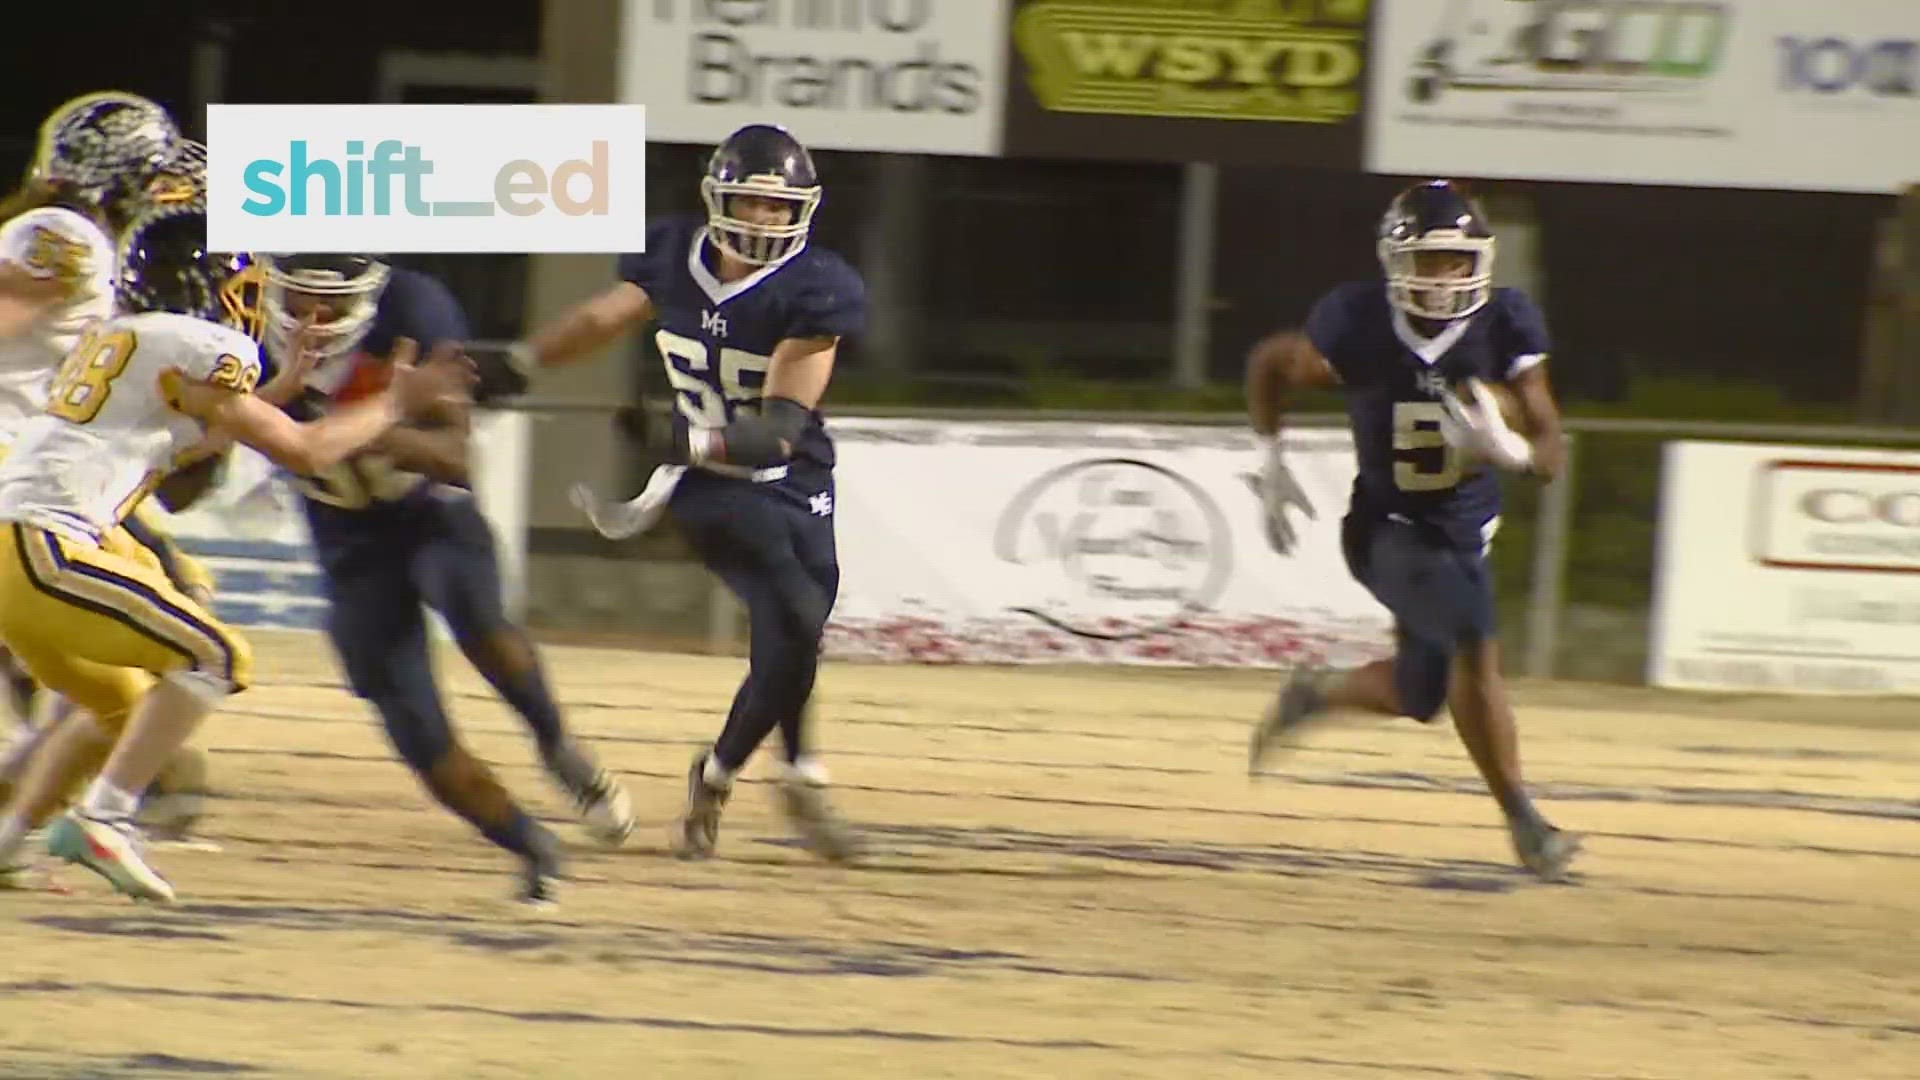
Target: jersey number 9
[1423, 460]
[701, 402]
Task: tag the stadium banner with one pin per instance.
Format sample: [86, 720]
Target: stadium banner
[1790, 569]
[1737, 93]
[1239, 82]
[1057, 542]
[905, 76]
[251, 532]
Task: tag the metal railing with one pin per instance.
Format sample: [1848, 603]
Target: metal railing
[1553, 515]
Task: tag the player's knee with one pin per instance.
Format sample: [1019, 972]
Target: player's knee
[418, 733]
[505, 650]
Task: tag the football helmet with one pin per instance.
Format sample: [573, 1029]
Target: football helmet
[1437, 250]
[165, 266]
[105, 147]
[339, 293]
[760, 161]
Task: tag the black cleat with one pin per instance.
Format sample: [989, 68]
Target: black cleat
[697, 830]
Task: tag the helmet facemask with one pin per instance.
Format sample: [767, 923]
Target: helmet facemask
[165, 266]
[105, 147]
[324, 304]
[748, 240]
[1443, 274]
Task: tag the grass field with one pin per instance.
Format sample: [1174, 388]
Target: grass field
[1073, 877]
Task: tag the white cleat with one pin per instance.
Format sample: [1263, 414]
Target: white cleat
[111, 849]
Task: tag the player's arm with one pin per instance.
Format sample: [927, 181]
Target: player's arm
[228, 406]
[1280, 368]
[1542, 416]
[441, 449]
[797, 377]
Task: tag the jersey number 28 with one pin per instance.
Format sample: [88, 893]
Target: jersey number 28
[1422, 459]
[704, 405]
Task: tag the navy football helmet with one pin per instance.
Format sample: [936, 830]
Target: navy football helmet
[1437, 250]
[760, 161]
[341, 293]
[165, 266]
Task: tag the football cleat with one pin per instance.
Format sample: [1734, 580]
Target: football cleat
[111, 848]
[697, 830]
[804, 801]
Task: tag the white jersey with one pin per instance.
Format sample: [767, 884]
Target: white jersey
[110, 432]
[51, 242]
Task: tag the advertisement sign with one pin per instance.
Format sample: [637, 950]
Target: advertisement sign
[251, 531]
[1260, 82]
[1788, 568]
[1720, 93]
[909, 76]
[1051, 542]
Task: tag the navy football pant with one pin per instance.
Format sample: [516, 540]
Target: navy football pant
[377, 621]
[1441, 597]
[778, 557]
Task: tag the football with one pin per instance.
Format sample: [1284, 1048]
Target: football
[1508, 401]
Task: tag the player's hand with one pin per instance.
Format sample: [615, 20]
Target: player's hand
[619, 520]
[504, 372]
[1475, 427]
[1279, 490]
[444, 380]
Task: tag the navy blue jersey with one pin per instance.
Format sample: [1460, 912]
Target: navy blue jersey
[1392, 377]
[718, 338]
[362, 500]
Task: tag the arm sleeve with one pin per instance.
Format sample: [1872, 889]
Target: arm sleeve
[1330, 329]
[833, 306]
[649, 268]
[50, 243]
[1523, 335]
[433, 315]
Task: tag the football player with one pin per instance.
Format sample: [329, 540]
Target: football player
[748, 318]
[397, 530]
[1413, 356]
[109, 632]
[97, 164]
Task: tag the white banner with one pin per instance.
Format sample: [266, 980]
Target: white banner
[909, 76]
[252, 533]
[1788, 568]
[1738, 93]
[1024, 542]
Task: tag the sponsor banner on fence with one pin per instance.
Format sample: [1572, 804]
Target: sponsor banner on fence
[909, 76]
[1793, 569]
[1025, 542]
[252, 533]
[1735, 93]
[1259, 82]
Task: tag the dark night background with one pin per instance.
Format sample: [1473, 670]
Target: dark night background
[1076, 261]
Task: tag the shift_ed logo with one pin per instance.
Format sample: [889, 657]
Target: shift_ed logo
[452, 179]
[883, 55]
[383, 177]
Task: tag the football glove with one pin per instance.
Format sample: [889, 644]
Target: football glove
[619, 520]
[1278, 491]
[1477, 429]
[504, 372]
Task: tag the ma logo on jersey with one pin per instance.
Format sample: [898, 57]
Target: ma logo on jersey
[1124, 548]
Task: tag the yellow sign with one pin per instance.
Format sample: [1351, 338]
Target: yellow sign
[1292, 60]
